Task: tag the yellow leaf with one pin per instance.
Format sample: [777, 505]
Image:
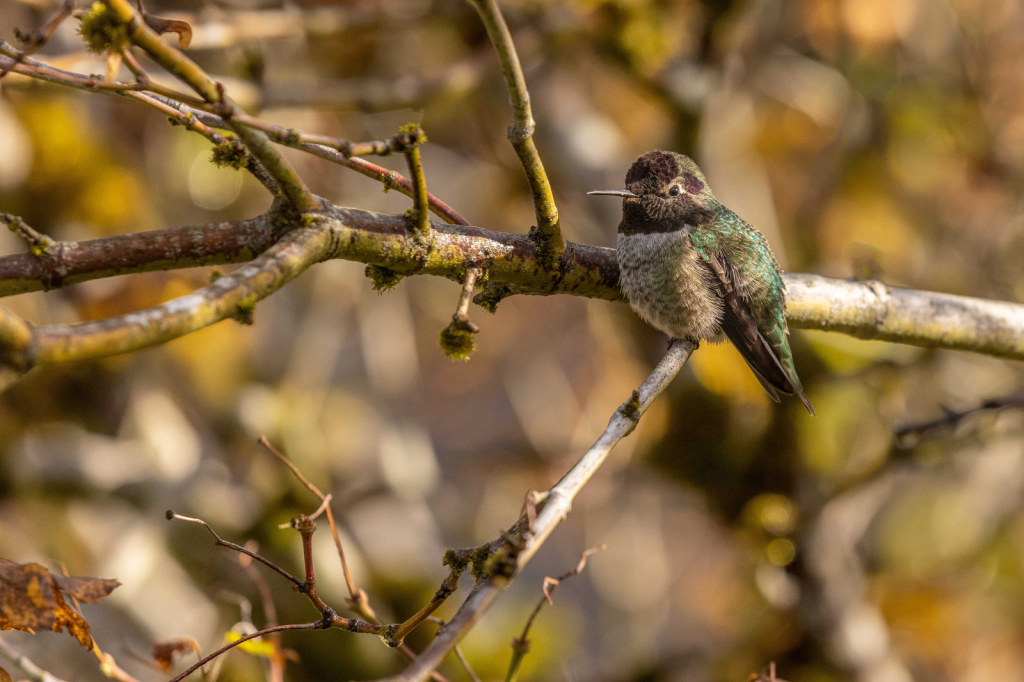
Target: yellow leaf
[256, 647]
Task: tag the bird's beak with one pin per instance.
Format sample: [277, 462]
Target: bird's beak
[615, 193]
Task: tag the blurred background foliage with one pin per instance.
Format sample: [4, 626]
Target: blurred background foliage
[865, 138]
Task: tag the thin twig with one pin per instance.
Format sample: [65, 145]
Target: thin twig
[909, 434]
[190, 122]
[448, 586]
[352, 590]
[358, 600]
[293, 137]
[33, 43]
[40, 244]
[315, 625]
[390, 179]
[189, 72]
[33, 69]
[34, 672]
[548, 236]
[171, 515]
[462, 311]
[458, 653]
[553, 509]
[457, 338]
[521, 644]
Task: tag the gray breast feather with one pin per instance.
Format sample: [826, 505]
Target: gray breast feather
[666, 283]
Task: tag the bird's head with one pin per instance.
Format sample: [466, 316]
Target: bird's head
[665, 191]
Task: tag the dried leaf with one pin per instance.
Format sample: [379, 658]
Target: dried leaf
[88, 590]
[32, 598]
[161, 26]
[165, 652]
[5, 676]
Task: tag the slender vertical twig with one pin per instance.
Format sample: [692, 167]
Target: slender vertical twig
[358, 600]
[550, 243]
[349, 583]
[419, 182]
[521, 644]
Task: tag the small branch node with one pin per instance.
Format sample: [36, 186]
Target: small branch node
[631, 408]
[40, 245]
[456, 339]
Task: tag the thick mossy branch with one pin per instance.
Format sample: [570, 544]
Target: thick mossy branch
[863, 309]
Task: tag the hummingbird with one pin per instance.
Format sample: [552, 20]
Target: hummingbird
[693, 269]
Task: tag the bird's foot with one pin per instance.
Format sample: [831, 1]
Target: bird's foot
[695, 342]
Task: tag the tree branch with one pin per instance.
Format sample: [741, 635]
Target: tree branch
[549, 238]
[556, 505]
[868, 310]
[872, 310]
[174, 248]
[190, 73]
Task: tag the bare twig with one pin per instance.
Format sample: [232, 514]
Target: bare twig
[556, 505]
[549, 238]
[315, 625]
[353, 592]
[390, 179]
[294, 137]
[226, 150]
[909, 434]
[457, 650]
[45, 72]
[40, 245]
[189, 72]
[34, 672]
[450, 584]
[521, 644]
[358, 600]
[34, 42]
[218, 540]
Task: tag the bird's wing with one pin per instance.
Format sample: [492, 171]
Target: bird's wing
[739, 325]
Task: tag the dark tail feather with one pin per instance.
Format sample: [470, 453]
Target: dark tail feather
[739, 325]
[763, 362]
[793, 384]
[768, 388]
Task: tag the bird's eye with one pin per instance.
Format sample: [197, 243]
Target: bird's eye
[674, 191]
